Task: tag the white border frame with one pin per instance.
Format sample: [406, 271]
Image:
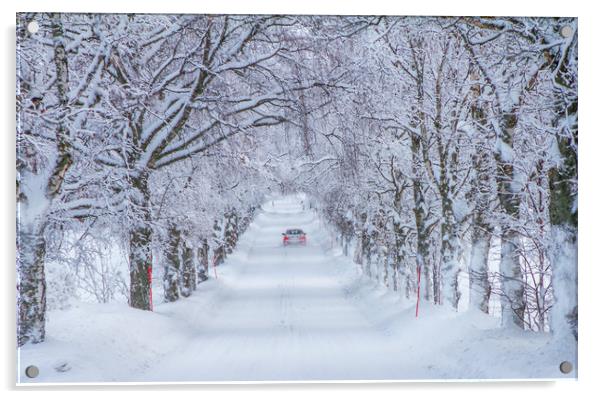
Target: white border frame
[589, 192]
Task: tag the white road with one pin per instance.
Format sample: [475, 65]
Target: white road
[281, 314]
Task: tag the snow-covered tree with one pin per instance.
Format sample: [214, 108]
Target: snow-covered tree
[429, 144]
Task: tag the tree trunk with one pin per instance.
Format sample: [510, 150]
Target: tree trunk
[203, 261]
[448, 162]
[513, 300]
[480, 288]
[419, 156]
[219, 252]
[563, 217]
[427, 281]
[450, 267]
[35, 203]
[386, 263]
[513, 288]
[171, 274]
[395, 276]
[230, 231]
[436, 285]
[31, 286]
[366, 249]
[188, 270]
[564, 315]
[357, 253]
[140, 256]
[422, 236]
[400, 240]
[367, 258]
[378, 263]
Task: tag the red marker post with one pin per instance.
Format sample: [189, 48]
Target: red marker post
[418, 291]
[150, 283]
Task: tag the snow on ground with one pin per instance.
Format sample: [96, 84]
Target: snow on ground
[286, 313]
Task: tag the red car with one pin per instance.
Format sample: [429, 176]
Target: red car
[294, 236]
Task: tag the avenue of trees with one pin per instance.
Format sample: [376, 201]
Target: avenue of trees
[433, 145]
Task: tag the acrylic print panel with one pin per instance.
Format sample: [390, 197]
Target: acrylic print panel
[295, 198]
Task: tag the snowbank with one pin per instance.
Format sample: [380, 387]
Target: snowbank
[276, 313]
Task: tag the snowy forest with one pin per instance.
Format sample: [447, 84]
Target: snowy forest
[441, 153]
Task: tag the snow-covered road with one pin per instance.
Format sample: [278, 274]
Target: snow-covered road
[283, 314]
